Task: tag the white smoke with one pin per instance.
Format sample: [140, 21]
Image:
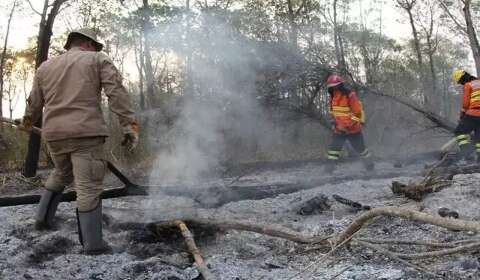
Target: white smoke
[220, 105]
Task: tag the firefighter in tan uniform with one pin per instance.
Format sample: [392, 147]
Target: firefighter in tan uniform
[68, 90]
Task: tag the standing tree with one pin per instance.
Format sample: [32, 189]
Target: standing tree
[468, 28]
[43, 44]
[3, 56]
[147, 29]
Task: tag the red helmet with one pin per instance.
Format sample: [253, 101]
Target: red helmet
[334, 80]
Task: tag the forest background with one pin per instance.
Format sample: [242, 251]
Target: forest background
[218, 83]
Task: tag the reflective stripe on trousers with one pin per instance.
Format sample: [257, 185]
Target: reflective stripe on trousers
[365, 154]
[333, 155]
[463, 139]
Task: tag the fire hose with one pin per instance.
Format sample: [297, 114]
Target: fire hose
[130, 188]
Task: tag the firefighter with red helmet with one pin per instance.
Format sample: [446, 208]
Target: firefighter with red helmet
[347, 122]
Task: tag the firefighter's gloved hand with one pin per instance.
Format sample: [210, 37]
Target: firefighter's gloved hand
[341, 130]
[130, 136]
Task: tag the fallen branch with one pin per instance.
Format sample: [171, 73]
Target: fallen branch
[395, 257]
[191, 246]
[6, 201]
[417, 191]
[409, 242]
[447, 172]
[355, 226]
[434, 118]
[452, 224]
[334, 248]
[274, 231]
[439, 253]
[436, 178]
[355, 205]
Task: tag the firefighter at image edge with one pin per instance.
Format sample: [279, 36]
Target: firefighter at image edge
[347, 122]
[68, 88]
[469, 115]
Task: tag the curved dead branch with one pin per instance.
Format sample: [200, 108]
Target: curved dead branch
[452, 224]
[439, 253]
[395, 257]
[410, 242]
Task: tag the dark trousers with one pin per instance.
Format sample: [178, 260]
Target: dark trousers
[465, 127]
[356, 140]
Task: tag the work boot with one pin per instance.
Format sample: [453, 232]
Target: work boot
[46, 209]
[90, 232]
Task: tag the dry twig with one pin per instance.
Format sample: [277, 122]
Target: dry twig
[192, 247]
[275, 231]
[334, 248]
[439, 253]
[395, 257]
[453, 224]
[340, 273]
[410, 242]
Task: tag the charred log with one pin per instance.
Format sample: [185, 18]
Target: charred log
[7, 201]
[353, 204]
[316, 205]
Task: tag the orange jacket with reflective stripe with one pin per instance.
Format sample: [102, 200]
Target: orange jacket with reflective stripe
[347, 111]
[471, 98]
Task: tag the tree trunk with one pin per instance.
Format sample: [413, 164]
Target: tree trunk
[472, 36]
[338, 42]
[408, 5]
[4, 55]
[43, 44]
[416, 41]
[139, 61]
[149, 76]
[189, 53]
[293, 30]
[431, 89]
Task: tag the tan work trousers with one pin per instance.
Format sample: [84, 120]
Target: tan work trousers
[81, 161]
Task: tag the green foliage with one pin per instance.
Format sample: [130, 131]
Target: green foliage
[262, 36]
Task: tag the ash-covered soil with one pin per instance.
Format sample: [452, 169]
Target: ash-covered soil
[138, 254]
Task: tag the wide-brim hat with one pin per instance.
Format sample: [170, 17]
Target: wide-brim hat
[85, 32]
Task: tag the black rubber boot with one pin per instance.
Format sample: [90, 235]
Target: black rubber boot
[90, 232]
[46, 209]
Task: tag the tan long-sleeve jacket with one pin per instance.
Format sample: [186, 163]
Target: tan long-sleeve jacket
[69, 88]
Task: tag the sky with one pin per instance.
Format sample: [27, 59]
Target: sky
[22, 24]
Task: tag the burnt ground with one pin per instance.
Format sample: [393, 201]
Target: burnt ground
[138, 254]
